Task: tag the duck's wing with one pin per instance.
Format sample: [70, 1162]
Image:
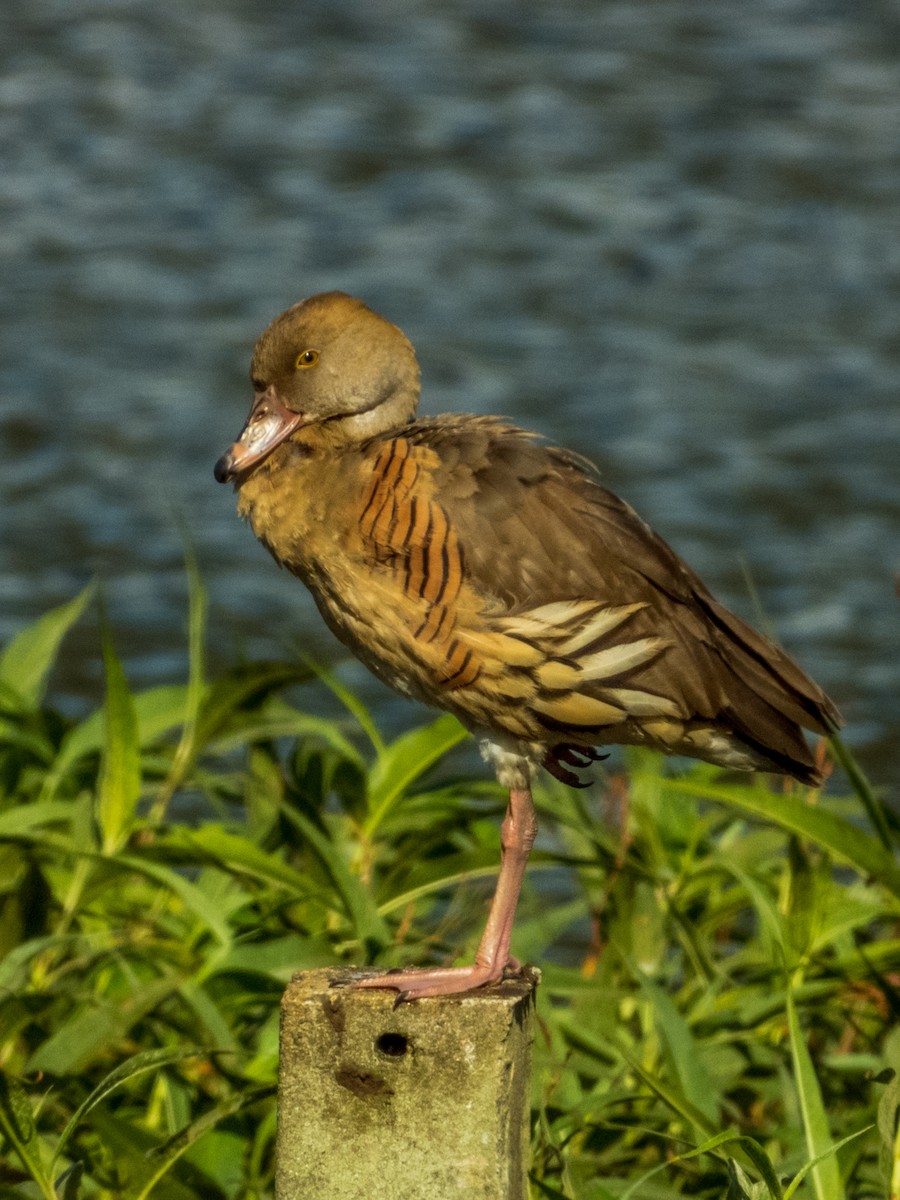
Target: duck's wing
[519, 551]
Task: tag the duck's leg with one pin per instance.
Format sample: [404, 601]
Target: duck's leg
[517, 834]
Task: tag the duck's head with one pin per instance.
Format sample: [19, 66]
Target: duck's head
[327, 371]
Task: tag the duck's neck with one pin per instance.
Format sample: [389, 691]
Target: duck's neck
[284, 499]
[381, 416]
[288, 497]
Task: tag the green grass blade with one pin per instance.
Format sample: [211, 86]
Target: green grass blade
[95, 1030]
[198, 610]
[351, 702]
[221, 703]
[17, 1122]
[823, 1168]
[405, 760]
[185, 752]
[889, 1133]
[131, 1068]
[70, 1182]
[120, 780]
[209, 1015]
[445, 875]
[846, 841]
[771, 923]
[359, 903]
[129, 1144]
[757, 1156]
[550, 1193]
[277, 719]
[15, 736]
[676, 1100]
[748, 1150]
[684, 1057]
[863, 789]
[157, 710]
[238, 688]
[829, 1153]
[23, 820]
[26, 661]
[236, 854]
[214, 920]
[169, 1153]
[727, 1137]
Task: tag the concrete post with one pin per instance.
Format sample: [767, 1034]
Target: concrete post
[427, 1100]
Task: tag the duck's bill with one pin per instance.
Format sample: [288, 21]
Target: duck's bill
[269, 423]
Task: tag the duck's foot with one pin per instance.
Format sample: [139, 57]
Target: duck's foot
[416, 983]
[492, 958]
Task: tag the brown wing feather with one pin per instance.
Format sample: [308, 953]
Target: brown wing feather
[535, 528]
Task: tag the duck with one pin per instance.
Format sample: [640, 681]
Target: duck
[475, 567]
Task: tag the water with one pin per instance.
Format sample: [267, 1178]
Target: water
[664, 233]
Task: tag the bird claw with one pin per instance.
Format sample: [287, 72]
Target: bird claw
[574, 756]
[419, 983]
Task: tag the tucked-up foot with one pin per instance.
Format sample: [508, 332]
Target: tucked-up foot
[417, 983]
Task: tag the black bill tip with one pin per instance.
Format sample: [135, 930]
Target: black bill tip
[224, 467]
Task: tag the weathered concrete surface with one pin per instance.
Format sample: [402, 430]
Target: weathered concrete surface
[424, 1101]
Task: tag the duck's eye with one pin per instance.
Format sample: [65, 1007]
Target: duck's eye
[308, 358]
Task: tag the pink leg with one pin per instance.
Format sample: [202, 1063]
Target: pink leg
[517, 834]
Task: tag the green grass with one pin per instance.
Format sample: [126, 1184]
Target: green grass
[718, 1016]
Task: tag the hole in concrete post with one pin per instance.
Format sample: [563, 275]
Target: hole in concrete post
[394, 1045]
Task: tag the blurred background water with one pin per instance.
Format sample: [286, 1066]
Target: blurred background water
[663, 232]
